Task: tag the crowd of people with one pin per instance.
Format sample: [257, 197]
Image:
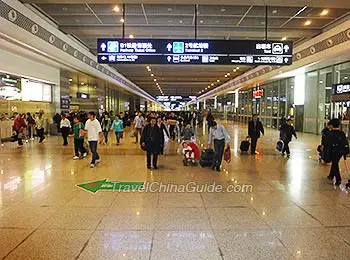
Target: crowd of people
[152, 129]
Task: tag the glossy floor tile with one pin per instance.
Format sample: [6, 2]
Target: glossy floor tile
[267, 207]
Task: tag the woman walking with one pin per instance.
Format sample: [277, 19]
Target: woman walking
[39, 124]
[164, 131]
[117, 127]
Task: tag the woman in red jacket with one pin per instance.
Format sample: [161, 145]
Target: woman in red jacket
[18, 126]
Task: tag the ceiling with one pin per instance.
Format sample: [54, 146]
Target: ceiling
[89, 21]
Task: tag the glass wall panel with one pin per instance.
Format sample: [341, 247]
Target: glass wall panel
[310, 106]
[324, 95]
[282, 98]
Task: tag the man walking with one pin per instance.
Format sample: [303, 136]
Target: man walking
[138, 124]
[151, 142]
[286, 133]
[255, 127]
[94, 133]
[218, 135]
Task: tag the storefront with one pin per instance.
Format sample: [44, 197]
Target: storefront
[322, 102]
[270, 101]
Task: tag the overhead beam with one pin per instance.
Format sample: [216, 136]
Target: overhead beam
[310, 3]
[240, 32]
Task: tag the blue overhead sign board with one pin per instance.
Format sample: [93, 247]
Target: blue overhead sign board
[204, 52]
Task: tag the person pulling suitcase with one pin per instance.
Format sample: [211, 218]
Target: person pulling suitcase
[219, 137]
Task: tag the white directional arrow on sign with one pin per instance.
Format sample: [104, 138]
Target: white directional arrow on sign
[103, 58]
[103, 46]
[169, 46]
[286, 48]
[169, 58]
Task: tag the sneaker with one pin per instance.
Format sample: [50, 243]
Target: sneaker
[92, 165]
[155, 167]
[337, 183]
[149, 167]
[288, 155]
[97, 161]
[75, 157]
[283, 154]
[217, 169]
[84, 155]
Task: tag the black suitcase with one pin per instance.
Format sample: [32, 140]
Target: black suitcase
[207, 158]
[207, 155]
[244, 146]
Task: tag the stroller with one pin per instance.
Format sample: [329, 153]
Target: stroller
[191, 153]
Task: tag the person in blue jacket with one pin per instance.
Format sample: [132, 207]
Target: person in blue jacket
[117, 127]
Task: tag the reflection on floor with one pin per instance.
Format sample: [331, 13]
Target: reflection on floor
[291, 212]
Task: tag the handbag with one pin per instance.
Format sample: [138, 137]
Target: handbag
[227, 154]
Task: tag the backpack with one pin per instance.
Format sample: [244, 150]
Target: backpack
[341, 144]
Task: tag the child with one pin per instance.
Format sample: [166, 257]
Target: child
[78, 139]
[117, 126]
[191, 153]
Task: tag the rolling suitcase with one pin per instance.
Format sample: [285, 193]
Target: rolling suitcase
[244, 146]
[207, 158]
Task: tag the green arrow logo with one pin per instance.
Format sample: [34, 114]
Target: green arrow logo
[95, 186]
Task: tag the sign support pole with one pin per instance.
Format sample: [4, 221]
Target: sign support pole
[195, 21]
[266, 18]
[123, 28]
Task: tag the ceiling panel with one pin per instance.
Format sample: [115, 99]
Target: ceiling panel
[215, 21]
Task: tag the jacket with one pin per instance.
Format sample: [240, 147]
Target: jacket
[151, 136]
[105, 124]
[117, 126]
[19, 124]
[286, 132]
[254, 132]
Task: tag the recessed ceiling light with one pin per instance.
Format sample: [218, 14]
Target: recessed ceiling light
[308, 22]
[218, 80]
[155, 80]
[208, 86]
[116, 8]
[234, 70]
[201, 21]
[284, 38]
[122, 20]
[324, 12]
[212, 84]
[152, 75]
[228, 74]
[237, 68]
[274, 11]
[180, 21]
[70, 80]
[82, 83]
[131, 36]
[148, 67]
[223, 10]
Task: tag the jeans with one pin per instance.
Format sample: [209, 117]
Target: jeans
[118, 136]
[65, 133]
[40, 133]
[335, 172]
[137, 133]
[30, 131]
[286, 147]
[172, 132]
[19, 137]
[149, 157]
[105, 134]
[79, 146]
[219, 147]
[93, 149]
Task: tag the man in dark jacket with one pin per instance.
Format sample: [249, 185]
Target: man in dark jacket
[255, 127]
[151, 142]
[286, 133]
[338, 146]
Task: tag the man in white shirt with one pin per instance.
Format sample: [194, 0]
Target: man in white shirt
[94, 133]
[138, 124]
[65, 128]
[219, 136]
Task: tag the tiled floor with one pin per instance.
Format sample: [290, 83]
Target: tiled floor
[290, 212]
